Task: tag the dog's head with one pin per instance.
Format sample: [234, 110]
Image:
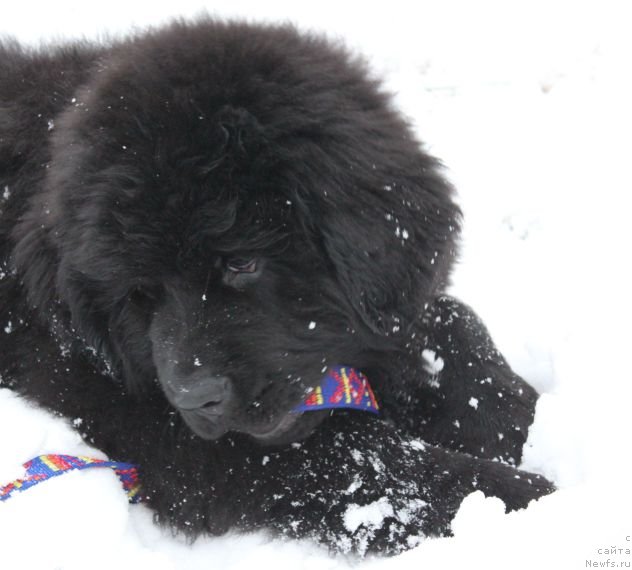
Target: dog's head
[231, 209]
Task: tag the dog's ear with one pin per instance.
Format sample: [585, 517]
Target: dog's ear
[392, 248]
[36, 260]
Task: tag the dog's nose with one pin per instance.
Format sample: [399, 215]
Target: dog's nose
[202, 392]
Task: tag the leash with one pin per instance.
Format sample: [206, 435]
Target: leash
[342, 387]
[45, 467]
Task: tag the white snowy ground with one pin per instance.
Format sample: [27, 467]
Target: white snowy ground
[528, 104]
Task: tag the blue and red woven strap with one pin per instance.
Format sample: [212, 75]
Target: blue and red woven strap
[45, 467]
[343, 387]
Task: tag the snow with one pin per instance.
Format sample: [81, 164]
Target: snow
[528, 107]
[371, 515]
[433, 363]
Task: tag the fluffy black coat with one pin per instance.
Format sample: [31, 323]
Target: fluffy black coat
[197, 221]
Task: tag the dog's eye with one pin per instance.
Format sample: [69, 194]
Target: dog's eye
[143, 296]
[241, 265]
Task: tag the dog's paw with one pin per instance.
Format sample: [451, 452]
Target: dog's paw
[488, 418]
[472, 400]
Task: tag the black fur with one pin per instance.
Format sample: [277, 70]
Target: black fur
[197, 221]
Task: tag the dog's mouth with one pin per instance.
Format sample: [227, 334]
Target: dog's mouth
[281, 427]
[288, 428]
[293, 427]
[204, 423]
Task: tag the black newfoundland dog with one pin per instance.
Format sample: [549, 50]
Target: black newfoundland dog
[196, 223]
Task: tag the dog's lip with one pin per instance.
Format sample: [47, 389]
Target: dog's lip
[208, 411]
[209, 425]
[279, 428]
[204, 424]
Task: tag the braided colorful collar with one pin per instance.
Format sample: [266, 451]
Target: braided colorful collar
[342, 387]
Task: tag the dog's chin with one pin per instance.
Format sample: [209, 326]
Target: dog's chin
[203, 425]
[292, 428]
[289, 428]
